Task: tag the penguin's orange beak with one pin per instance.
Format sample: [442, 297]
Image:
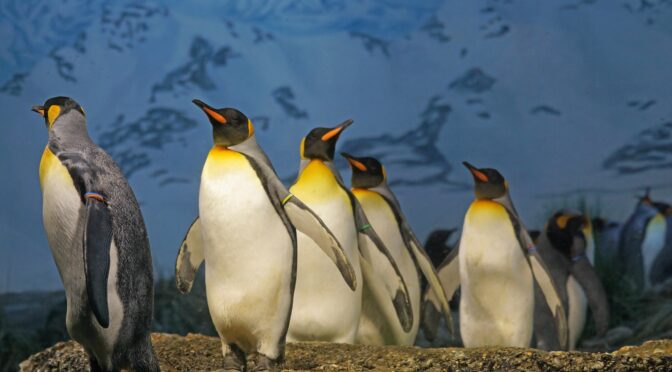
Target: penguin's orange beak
[476, 172]
[38, 109]
[216, 116]
[334, 132]
[354, 162]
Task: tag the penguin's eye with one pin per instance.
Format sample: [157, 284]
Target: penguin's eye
[53, 113]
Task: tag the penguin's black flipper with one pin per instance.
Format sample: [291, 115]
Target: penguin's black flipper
[396, 289]
[189, 258]
[97, 242]
[97, 237]
[306, 221]
[543, 278]
[449, 276]
[585, 274]
[300, 215]
[422, 261]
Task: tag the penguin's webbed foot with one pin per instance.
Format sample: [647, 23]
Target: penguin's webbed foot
[261, 362]
[234, 360]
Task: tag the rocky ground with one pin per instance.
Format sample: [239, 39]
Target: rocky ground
[201, 353]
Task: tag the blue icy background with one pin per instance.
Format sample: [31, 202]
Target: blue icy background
[569, 99]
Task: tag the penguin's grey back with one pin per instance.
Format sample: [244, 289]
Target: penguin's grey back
[71, 143]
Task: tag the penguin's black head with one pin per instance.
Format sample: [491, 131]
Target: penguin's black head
[320, 143]
[437, 247]
[646, 198]
[663, 208]
[229, 126]
[488, 182]
[54, 107]
[366, 172]
[565, 231]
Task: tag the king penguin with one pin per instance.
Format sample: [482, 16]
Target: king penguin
[577, 305]
[642, 239]
[377, 326]
[99, 242]
[564, 247]
[323, 309]
[661, 269]
[497, 264]
[246, 235]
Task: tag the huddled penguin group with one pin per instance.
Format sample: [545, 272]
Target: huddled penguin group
[320, 261]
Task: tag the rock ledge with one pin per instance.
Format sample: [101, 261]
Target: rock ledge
[202, 353]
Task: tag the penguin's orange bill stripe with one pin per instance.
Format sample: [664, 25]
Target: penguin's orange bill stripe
[357, 164]
[562, 221]
[330, 134]
[478, 174]
[214, 114]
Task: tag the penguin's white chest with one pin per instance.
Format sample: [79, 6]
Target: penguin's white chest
[497, 298]
[62, 211]
[653, 243]
[248, 252]
[576, 316]
[325, 308]
[383, 220]
[63, 217]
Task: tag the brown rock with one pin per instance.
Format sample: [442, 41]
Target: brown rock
[200, 353]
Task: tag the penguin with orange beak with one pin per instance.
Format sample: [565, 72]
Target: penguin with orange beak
[497, 265]
[246, 236]
[377, 325]
[325, 309]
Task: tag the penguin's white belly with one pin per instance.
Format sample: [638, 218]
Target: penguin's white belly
[325, 308]
[248, 255]
[372, 326]
[497, 298]
[63, 218]
[653, 243]
[578, 305]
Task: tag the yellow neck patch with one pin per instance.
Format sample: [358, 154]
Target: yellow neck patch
[483, 211]
[222, 160]
[316, 182]
[50, 164]
[53, 113]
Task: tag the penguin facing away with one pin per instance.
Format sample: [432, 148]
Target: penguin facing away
[369, 185]
[642, 239]
[323, 309]
[246, 235]
[563, 246]
[496, 265]
[99, 242]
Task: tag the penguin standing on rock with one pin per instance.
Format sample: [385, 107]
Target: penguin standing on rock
[324, 310]
[496, 265]
[563, 246]
[369, 185]
[246, 235]
[99, 242]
